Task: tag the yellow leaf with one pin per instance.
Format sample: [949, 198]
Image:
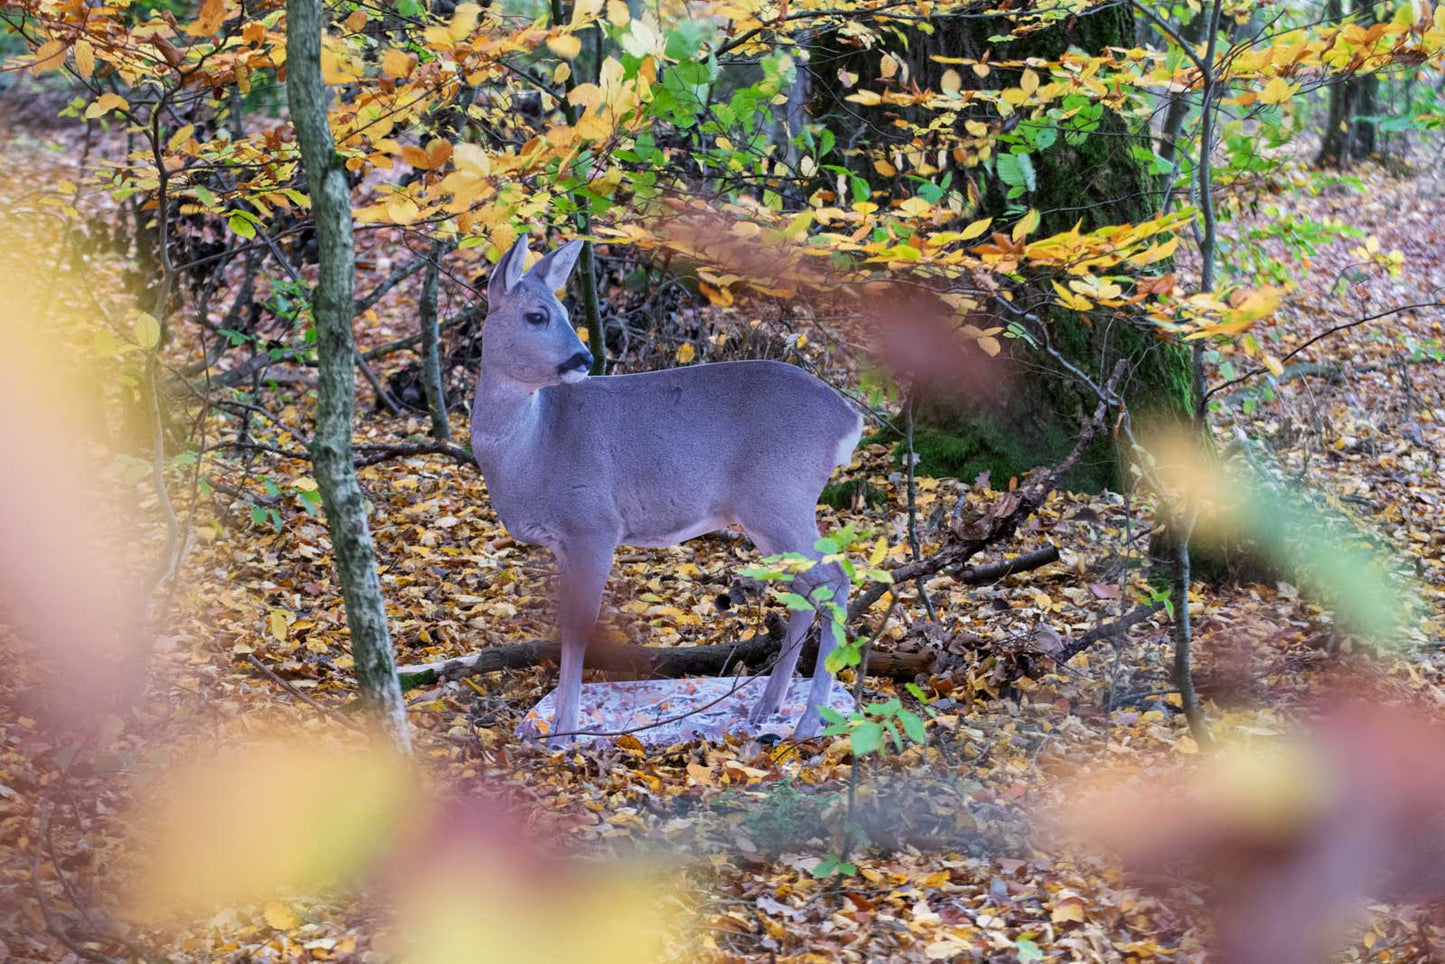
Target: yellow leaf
[1273, 364]
[975, 229]
[464, 20]
[586, 95]
[951, 83]
[180, 137]
[563, 71]
[356, 21]
[880, 551]
[685, 353]
[1026, 225]
[617, 13]
[104, 104]
[84, 58]
[1070, 300]
[396, 63]
[278, 625]
[887, 67]
[915, 207]
[1029, 82]
[147, 331]
[566, 46]
[990, 345]
[280, 916]
[1068, 910]
[1277, 91]
[884, 168]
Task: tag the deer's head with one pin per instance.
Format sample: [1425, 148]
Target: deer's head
[528, 336]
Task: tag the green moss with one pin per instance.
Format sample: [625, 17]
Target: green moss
[843, 495]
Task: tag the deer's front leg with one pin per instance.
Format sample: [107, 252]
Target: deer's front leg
[582, 568]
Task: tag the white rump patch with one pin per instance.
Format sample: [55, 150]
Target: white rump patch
[573, 375]
[844, 455]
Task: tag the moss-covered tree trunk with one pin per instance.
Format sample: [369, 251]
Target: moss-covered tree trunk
[1093, 181]
[333, 307]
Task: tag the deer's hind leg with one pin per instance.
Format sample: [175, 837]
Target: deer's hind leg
[799, 537]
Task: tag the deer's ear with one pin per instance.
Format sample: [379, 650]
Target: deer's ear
[508, 271]
[556, 266]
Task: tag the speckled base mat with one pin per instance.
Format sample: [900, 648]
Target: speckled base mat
[665, 711]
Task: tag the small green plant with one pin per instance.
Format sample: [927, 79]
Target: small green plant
[871, 728]
[782, 817]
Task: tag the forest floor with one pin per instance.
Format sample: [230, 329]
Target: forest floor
[951, 866]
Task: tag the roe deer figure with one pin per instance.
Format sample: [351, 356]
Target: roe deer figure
[582, 465]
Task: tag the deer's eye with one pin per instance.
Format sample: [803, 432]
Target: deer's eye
[537, 318]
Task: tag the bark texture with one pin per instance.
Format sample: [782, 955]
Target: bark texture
[431, 364]
[333, 308]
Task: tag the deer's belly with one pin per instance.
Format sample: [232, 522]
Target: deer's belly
[658, 537]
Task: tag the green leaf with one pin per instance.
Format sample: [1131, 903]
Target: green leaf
[242, 226]
[913, 726]
[885, 709]
[866, 738]
[795, 602]
[825, 867]
[1011, 170]
[827, 546]
[1028, 951]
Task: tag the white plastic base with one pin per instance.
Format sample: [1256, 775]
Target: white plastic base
[662, 712]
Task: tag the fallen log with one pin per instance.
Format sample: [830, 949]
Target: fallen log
[652, 662]
[994, 571]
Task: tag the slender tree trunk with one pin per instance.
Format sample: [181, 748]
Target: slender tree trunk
[587, 277]
[431, 363]
[1335, 141]
[1191, 33]
[336, 386]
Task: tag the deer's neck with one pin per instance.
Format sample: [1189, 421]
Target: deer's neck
[505, 413]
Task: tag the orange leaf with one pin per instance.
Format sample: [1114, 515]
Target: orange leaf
[396, 63]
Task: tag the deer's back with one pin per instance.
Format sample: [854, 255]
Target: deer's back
[667, 455]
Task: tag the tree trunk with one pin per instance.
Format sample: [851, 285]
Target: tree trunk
[1178, 110]
[431, 364]
[1095, 181]
[1346, 138]
[333, 308]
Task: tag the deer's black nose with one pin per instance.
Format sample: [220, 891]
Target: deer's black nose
[582, 361]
